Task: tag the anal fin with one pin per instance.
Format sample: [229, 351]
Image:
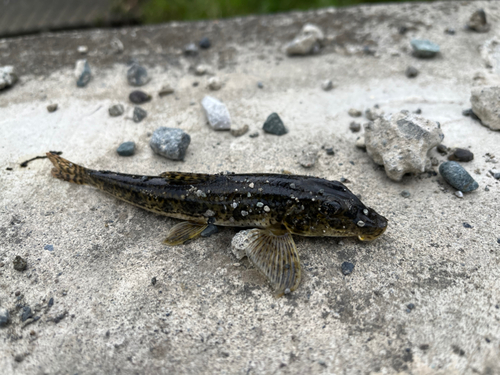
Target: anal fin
[275, 255]
[183, 232]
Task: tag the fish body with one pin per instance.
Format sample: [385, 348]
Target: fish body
[276, 205]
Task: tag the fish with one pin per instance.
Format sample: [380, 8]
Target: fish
[274, 206]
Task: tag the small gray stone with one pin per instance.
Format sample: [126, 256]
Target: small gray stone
[116, 45]
[373, 113]
[190, 49]
[401, 143]
[260, 85]
[254, 135]
[329, 151]
[355, 126]
[411, 72]
[347, 268]
[4, 316]
[82, 73]
[116, 110]
[126, 149]
[495, 175]
[137, 75]
[486, 105]
[201, 69]
[139, 97]
[449, 31]
[327, 85]
[461, 154]
[240, 131]
[83, 49]
[360, 142]
[20, 264]
[7, 76]
[52, 107]
[477, 21]
[308, 157]
[49, 247]
[308, 41]
[424, 48]
[26, 313]
[214, 83]
[353, 112]
[217, 113]
[454, 174]
[274, 125]
[170, 142]
[205, 43]
[166, 90]
[139, 114]
[405, 194]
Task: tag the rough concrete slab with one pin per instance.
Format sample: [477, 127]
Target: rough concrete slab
[209, 312]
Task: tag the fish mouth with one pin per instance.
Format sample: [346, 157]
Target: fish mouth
[376, 232]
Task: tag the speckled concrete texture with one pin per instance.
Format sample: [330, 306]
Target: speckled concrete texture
[422, 299]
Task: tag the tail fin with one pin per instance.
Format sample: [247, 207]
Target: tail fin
[67, 171]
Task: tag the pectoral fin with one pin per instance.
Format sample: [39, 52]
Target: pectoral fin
[276, 257]
[183, 232]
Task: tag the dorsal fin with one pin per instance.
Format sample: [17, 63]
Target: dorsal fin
[183, 178]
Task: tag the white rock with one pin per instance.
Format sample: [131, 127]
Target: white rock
[82, 49]
[306, 42]
[401, 142]
[490, 53]
[7, 76]
[486, 105]
[116, 45]
[214, 83]
[327, 85]
[201, 70]
[217, 113]
[240, 243]
[360, 142]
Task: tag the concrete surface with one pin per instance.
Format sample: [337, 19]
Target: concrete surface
[207, 312]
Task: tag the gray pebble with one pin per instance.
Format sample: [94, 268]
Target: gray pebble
[459, 194]
[211, 229]
[477, 21]
[4, 316]
[51, 302]
[52, 107]
[190, 49]
[355, 127]
[411, 72]
[495, 175]
[166, 90]
[454, 174]
[442, 149]
[347, 268]
[274, 125]
[137, 75]
[170, 142]
[260, 85]
[116, 110]
[82, 73]
[139, 97]
[217, 113]
[329, 151]
[254, 135]
[7, 76]
[26, 313]
[240, 131]
[20, 264]
[126, 149]
[153, 281]
[424, 48]
[449, 31]
[139, 114]
[205, 43]
[353, 112]
[49, 247]
[327, 85]
[461, 154]
[405, 194]
[117, 45]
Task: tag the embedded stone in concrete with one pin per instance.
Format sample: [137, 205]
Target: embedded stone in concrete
[139, 114]
[126, 149]
[52, 107]
[411, 72]
[4, 316]
[201, 69]
[327, 85]
[461, 154]
[401, 143]
[116, 110]
[477, 21]
[205, 43]
[166, 90]
[7, 76]
[353, 112]
[424, 48]
[373, 113]
[117, 45]
[82, 73]
[137, 75]
[240, 242]
[190, 49]
[139, 97]
[214, 83]
[217, 113]
[171, 143]
[485, 103]
[274, 125]
[454, 174]
[306, 42]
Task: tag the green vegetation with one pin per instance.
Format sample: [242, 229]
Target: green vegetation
[155, 11]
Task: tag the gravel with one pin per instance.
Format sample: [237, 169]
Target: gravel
[355, 126]
[20, 263]
[274, 125]
[139, 97]
[455, 175]
[308, 41]
[486, 105]
[126, 149]
[214, 83]
[137, 75]
[353, 112]
[217, 113]
[82, 73]
[4, 316]
[7, 76]
[327, 85]
[139, 114]
[52, 107]
[171, 143]
[205, 43]
[477, 22]
[116, 110]
[347, 268]
[411, 72]
[424, 48]
[166, 90]
[461, 154]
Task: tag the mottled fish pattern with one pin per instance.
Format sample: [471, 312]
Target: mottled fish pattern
[276, 205]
